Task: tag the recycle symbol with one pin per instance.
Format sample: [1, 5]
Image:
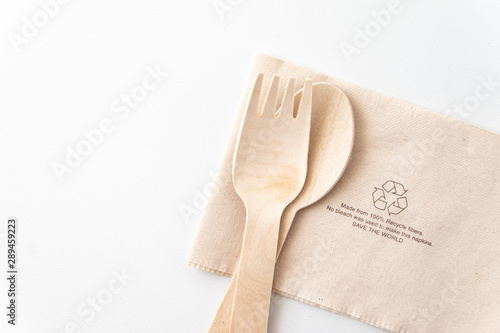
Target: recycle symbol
[392, 192]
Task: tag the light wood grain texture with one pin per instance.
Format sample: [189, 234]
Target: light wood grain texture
[269, 171]
[332, 134]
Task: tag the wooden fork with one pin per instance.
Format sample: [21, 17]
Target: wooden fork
[269, 170]
[332, 122]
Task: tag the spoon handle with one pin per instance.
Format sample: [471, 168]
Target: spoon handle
[222, 320]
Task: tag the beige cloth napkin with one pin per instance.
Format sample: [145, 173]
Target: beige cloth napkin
[408, 240]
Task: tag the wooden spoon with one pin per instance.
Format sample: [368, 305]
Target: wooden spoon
[330, 147]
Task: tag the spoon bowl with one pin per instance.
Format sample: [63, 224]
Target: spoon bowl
[330, 147]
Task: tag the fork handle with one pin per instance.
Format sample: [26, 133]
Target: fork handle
[254, 279]
[222, 320]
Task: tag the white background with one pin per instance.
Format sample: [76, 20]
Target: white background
[119, 209]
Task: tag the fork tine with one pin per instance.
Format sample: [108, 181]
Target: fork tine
[253, 101]
[287, 102]
[306, 100]
[271, 97]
